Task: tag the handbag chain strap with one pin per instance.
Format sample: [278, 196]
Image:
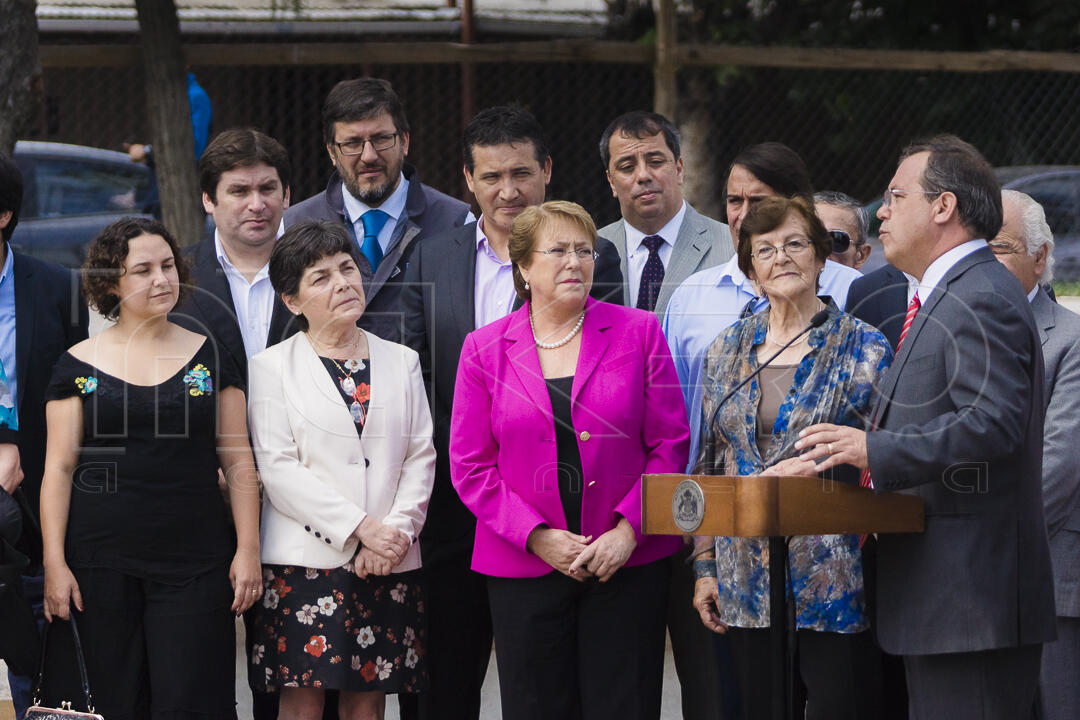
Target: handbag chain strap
[39, 681]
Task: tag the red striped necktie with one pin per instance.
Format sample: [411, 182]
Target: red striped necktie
[912, 310]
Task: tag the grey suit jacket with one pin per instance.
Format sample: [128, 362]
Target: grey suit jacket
[1059, 330]
[702, 243]
[960, 425]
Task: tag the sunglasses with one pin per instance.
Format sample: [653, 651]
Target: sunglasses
[841, 241]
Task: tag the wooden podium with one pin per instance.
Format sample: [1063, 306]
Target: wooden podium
[777, 508]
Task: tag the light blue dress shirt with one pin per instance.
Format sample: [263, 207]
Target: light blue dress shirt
[705, 305]
[7, 325]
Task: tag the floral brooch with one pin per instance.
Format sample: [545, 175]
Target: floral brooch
[86, 384]
[198, 381]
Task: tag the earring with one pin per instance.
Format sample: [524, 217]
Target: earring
[526, 284]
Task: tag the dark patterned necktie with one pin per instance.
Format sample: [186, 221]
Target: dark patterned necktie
[652, 275]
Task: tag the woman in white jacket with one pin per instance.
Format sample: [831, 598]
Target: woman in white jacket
[342, 437]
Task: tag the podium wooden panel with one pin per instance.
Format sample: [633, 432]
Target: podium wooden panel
[768, 506]
[776, 508]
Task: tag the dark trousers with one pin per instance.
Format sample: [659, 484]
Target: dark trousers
[894, 703]
[996, 684]
[459, 638]
[1059, 679]
[568, 650]
[693, 646]
[152, 650]
[837, 677]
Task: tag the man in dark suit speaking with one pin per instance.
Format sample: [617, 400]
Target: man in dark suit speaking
[968, 602]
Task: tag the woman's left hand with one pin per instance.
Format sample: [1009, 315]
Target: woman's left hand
[791, 466]
[607, 553]
[245, 573]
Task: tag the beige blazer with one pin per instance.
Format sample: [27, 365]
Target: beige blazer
[319, 479]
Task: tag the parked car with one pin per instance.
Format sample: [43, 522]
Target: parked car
[71, 193]
[1055, 187]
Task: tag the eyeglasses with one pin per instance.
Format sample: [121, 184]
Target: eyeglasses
[380, 142]
[887, 197]
[1000, 247]
[583, 254]
[841, 241]
[792, 248]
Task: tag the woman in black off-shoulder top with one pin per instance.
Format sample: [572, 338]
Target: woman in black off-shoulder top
[139, 542]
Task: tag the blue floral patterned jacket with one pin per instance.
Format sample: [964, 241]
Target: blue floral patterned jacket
[834, 383]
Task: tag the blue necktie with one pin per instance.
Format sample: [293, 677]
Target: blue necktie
[373, 220]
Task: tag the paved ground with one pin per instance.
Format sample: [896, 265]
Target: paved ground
[671, 702]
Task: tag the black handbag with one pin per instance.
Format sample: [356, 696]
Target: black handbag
[20, 643]
[64, 712]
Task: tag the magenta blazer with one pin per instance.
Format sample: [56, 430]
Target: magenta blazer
[628, 413]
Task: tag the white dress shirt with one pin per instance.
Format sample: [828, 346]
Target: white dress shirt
[493, 290]
[637, 254]
[254, 301]
[942, 265]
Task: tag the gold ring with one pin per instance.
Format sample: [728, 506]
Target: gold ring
[830, 449]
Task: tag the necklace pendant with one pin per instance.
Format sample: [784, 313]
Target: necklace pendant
[354, 365]
[357, 412]
[348, 385]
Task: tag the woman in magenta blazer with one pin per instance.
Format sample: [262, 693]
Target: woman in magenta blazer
[559, 409]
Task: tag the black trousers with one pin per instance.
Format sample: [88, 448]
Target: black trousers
[459, 637]
[152, 650]
[568, 650]
[693, 646]
[837, 674]
[997, 684]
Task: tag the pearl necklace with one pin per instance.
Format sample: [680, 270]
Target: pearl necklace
[558, 343]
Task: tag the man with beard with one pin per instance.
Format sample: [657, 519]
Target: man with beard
[376, 194]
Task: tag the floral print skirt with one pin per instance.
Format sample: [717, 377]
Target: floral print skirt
[330, 629]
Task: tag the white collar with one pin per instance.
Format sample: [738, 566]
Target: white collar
[730, 271]
[226, 263]
[393, 206]
[670, 231]
[943, 264]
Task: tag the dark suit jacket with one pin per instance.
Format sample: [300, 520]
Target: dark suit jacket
[428, 213]
[880, 298]
[1059, 330]
[438, 303]
[960, 421]
[209, 310]
[50, 317]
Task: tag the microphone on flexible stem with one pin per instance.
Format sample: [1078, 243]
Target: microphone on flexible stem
[707, 460]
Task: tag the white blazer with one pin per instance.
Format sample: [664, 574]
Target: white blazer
[319, 479]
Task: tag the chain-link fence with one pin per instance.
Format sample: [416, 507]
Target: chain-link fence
[848, 125]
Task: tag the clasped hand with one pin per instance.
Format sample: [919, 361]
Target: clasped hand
[383, 547]
[579, 556]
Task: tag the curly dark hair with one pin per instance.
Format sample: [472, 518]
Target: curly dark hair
[105, 262]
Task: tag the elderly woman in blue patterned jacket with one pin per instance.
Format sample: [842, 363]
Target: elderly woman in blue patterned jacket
[826, 375]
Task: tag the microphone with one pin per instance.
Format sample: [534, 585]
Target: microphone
[706, 458]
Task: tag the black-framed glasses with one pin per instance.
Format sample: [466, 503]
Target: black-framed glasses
[584, 255]
[380, 142]
[890, 193]
[841, 241]
[792, 248]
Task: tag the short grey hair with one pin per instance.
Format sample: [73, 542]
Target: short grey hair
[1034, 230]
[843, 200]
